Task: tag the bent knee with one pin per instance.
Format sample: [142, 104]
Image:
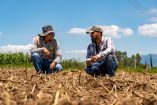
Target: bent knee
[34, 55]
[59, 67]
[110, 57]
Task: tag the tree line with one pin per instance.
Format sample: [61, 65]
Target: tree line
[134, 61]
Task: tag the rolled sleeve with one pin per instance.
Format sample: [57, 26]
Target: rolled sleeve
[109, 49]
[58, 54]
[36, 48]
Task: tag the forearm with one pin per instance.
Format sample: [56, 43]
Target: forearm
[58, 59]
[105, 53]
[36, 50]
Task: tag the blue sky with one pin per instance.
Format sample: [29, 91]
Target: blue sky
[132, 24]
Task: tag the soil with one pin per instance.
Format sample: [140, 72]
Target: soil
[25, 87]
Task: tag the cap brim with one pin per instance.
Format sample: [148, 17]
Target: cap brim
[46, 33]
[89, 32]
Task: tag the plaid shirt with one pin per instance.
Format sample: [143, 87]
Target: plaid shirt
[104, 49]
[53, 47]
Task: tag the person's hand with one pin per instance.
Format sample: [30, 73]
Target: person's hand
[94, 58]
[52, 65]
[46, 52]
[88, 62]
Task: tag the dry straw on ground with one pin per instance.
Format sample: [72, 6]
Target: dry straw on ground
[23, 87]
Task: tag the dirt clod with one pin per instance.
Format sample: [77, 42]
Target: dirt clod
[18, 87]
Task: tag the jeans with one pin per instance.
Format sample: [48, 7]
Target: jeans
[43, 65]
[101, 68]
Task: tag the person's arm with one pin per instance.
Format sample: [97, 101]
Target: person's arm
[58, 54]
[109, 49]
[88, 52]
[88, 56]
[36, 46]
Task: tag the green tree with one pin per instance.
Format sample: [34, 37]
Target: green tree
[138, 59]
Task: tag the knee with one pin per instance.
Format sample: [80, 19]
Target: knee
[89, 70]
[92, 68]
[110, 58]
[59, 67]
[95, 68]
[35, 55]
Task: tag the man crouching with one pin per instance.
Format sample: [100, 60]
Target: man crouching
[46, 54]
[100, 58]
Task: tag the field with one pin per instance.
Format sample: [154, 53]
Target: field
[24, 87]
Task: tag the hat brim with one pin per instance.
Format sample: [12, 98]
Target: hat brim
[46, 33]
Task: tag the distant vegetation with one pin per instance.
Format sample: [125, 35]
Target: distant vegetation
[125, 63]
[24, 60]
[73, 64]
[14, 59]
[133, 63]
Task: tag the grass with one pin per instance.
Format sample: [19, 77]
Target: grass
[138, 69]
[75, 65]
[69, 65]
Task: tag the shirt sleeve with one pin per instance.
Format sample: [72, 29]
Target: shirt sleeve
[58, 54]
[109, 49]
[88, 52]
[36, 46]
[90, 49]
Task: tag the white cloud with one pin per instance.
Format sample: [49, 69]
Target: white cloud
[153, 14]
[80, 52]
[77, 31]
[116, 31]
[148, 30]
[16, 48]
[152, 11]
[75, 54]
[110, 30]
[127, 32]
[113, 31]
[153, 19]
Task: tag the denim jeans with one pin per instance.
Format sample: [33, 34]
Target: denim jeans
[101, 68]
[43, 65]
